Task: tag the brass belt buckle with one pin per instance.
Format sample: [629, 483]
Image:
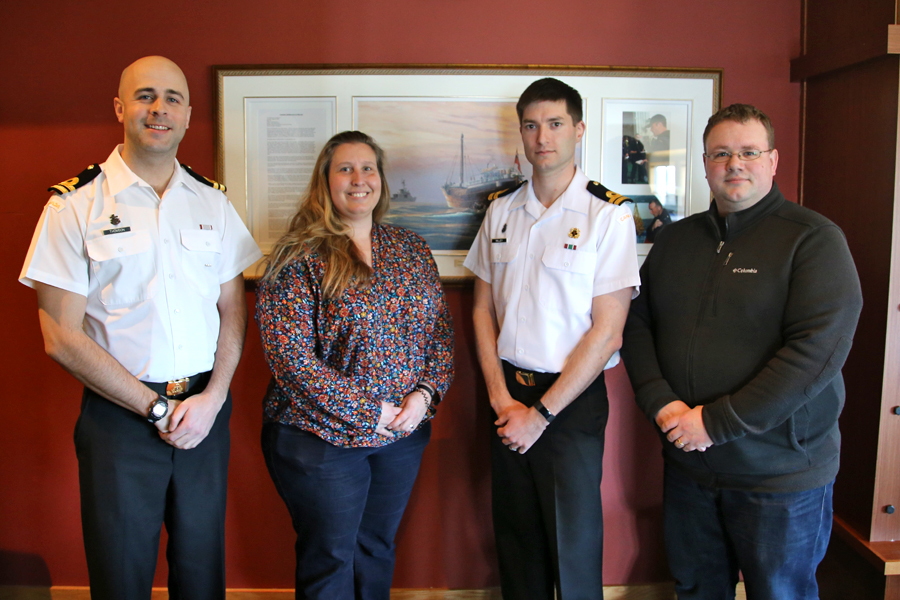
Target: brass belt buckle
[525, 378]
[177, 386]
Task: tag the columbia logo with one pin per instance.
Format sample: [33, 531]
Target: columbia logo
[740, 270]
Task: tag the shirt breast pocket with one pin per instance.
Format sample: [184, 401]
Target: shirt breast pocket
[503, 256]
[200, 260]
[567, 278]
[124, 267]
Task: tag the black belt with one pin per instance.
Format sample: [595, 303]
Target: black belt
[180, 388]
[528, 378]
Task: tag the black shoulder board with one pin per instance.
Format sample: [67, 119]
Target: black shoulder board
[70, 185]
[204, 180]
[506, 191]
[603, 193]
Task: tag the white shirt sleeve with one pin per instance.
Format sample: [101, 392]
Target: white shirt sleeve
[239, 250]
[57, 255]
[617, 265]
[478, 260]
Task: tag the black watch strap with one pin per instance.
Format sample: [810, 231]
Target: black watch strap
[539, 406]
[153, 416]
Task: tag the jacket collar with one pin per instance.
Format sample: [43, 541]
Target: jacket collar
[737, 222]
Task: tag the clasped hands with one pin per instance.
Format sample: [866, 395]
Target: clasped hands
[404, 418]
[519, 426]
[683, 426]
[188, 422]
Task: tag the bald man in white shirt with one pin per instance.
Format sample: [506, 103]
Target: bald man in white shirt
[138, 264]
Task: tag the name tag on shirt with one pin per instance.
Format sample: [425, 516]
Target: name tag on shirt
[498, 240]
[116, 230]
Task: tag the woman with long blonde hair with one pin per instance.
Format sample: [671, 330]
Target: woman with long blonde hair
[359, 339]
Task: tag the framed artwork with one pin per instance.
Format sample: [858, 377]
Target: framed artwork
[450, 135]
[653, 166]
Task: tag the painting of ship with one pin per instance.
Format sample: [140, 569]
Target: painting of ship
[472, 192]
[403, 195]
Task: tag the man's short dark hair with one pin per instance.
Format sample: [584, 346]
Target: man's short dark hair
[740, 113]
[551, 90]
[656, 201]
[658, 119]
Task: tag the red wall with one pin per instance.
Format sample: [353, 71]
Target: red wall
[61, 62]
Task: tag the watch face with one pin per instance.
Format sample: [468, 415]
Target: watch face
[159, 409]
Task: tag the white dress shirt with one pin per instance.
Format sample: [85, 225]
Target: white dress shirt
[150, 268]
[545, 266]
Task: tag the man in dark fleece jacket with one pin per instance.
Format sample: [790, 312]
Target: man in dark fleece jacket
[734, 350]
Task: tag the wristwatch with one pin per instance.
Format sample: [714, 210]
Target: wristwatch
[158, 409]
[539, 406]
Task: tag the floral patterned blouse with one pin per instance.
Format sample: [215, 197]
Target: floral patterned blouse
[334, 361]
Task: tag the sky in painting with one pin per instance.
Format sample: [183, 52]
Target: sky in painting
[421, 138]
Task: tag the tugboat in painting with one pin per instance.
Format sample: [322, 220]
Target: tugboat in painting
[473, 193]
[403, 195]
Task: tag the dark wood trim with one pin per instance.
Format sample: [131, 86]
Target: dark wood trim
[885, 525]
[811, 65]
[884, 556]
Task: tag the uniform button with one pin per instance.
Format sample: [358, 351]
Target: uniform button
[522, 319]
[165, 240]
[121, 250]
[566, 264]
[526, 288]
[531, 255]
[520, 351]
[171, 276]
[207, 243]
[177, 310]
[180, 346]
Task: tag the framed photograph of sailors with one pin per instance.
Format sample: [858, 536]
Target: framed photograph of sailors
[649, 154]
[451, 137]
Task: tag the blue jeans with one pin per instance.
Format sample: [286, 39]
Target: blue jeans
[775, 540]
[345, 505]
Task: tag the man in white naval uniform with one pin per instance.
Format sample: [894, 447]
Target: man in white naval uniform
[137, 264]
[556, 268]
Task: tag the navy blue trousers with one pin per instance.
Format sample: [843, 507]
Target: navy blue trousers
[132, 483]
[345, 505]
[775, 540]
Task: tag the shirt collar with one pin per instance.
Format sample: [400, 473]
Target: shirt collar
[571, 199]
[180, 177]
[120, 176]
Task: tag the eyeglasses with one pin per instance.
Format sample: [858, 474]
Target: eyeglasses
[743, 155]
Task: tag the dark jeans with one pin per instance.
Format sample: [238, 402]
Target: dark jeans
[131, 483]
[548, 518]
[346, 505]
[775, 540]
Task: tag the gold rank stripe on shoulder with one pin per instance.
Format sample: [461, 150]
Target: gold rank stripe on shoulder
[205, 180]
[70, 185]
[505, 192]
[603, 193]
